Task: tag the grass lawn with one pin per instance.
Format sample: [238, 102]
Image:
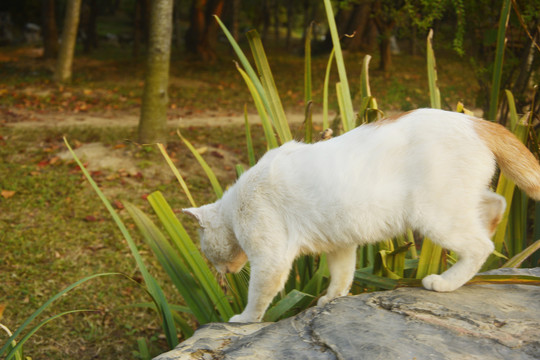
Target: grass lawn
[55, 231]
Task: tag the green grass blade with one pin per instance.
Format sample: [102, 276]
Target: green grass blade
[365, 277]
[516, 239]
[308, 123]
[504, 279]
[434, 93]
[177, 174]
[518, 259]
[483, 280]
[245, 63]
[190, 254]
[314, 285]
[326, 123]
[186, 329]
[308, 101]
[239, 170]
[499, 58]
[19, 345]
[266, 123]
[173, 265]
[152, 286]
[366, 113]
[218, 190]
[277, 113]
[249, 139]
[36, 313]
[307, 66]
[431, 259]
[144, 352]
[341, 104]
[285, 305]
[514, 118]
[348, 111]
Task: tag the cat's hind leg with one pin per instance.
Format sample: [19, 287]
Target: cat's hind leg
[471, 252]
[341, 264]
[492, 207]
[472, 245]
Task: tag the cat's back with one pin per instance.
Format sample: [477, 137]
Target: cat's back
[411, 127]
[423, 137]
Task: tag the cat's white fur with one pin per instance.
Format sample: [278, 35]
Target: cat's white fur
[428, 170]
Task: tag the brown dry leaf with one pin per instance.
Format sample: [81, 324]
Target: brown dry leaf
[6, 194]
[118, 204]
[2, 307]
[54, 160]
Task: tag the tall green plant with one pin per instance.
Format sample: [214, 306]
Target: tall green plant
[344, 94]
[499, 59]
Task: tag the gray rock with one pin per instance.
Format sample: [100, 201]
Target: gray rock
[474, 322]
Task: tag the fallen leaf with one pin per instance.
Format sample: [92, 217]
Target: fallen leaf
[43, 163]
[6, 194]
[118, 204]
[217, 154]
[54, 160]
[90, 218]
[2, 307]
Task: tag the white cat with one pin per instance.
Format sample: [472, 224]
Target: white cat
[428, 170]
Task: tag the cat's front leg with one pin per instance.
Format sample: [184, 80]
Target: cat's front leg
[341, 264]
[266, 280]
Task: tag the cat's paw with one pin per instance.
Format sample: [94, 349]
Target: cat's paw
[438, 283]
[323, 300]
[241, 318]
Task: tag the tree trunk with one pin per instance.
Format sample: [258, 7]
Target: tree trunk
[386, 55]
[385, 26]
[275, 13]
[50, 32]
[265, 15]
[153, 120]
[88, 18]
[202, 33]
[358, 25]
[289, 24]
[140, 26]
[177, 20]
[67, 47]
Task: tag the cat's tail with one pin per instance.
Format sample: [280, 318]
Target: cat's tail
[514, 159]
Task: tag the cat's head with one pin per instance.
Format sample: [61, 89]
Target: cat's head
[218, 241]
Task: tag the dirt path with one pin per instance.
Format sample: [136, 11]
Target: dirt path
[25, 118]
[99, 156]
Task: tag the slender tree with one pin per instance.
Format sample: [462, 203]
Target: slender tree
[153, 120]
[50, 32]
[201, 35]
[67, 47]
[88, 22]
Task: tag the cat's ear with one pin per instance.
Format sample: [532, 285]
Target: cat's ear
[195, 212]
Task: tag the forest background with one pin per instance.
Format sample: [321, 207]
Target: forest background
[53, 231]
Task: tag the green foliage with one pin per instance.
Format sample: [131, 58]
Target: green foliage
[13, 349]
[499, 59]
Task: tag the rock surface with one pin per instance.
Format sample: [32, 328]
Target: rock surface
[474, 322]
